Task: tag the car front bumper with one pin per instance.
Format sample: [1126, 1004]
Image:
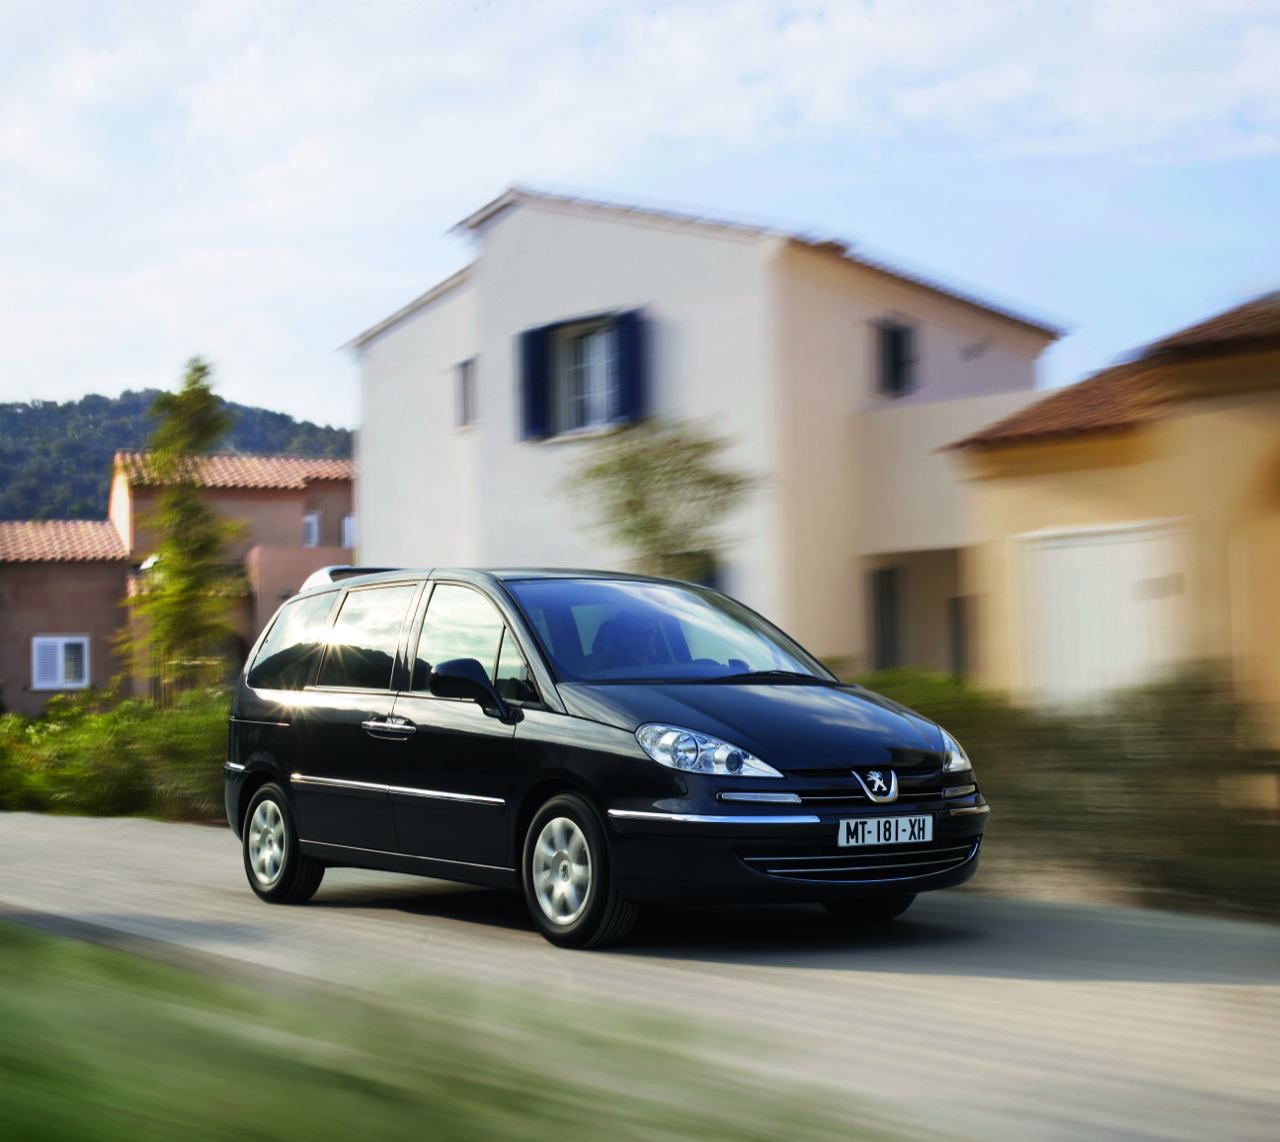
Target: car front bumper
[676, 855]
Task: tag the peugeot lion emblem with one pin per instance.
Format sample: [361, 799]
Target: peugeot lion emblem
[876, 787]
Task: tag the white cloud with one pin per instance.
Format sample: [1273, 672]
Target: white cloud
[200, 172]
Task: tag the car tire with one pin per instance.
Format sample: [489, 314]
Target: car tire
[869, 911]
[567, 876]
[277, 869]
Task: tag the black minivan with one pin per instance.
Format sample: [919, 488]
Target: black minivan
[596, 741]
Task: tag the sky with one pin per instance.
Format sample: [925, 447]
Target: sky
[259, 182]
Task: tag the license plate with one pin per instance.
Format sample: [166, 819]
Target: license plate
[884, 830]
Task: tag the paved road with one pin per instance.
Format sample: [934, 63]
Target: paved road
[1002, 1018]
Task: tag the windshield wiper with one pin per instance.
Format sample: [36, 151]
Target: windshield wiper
[769, 674]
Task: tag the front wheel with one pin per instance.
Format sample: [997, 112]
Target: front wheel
[869, 911]
[567, 877]
[273, 859]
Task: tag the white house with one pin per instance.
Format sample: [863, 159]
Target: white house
[837, 378]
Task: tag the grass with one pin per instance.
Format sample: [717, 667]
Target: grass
[96, 1044]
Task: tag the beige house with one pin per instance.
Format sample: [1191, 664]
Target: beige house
[838, 378]
[1131, 522]
[63, 583]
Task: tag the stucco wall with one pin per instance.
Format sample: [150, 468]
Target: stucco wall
[431, 494]
[704, 294]
[271, 516]
[416, 494]
[1213, 465]
[57, 599]
[861, 474]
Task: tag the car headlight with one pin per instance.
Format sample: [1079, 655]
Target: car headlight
[955, 760]
[678, 748]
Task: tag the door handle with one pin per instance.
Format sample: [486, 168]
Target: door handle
[390, 728]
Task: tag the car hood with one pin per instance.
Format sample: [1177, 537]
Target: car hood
[793, 726]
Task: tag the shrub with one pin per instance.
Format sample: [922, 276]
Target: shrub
[1140, 787]
[91, 754]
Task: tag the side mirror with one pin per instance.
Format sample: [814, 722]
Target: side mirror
[466, 678]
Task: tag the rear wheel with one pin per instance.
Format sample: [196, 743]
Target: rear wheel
[273, 859]
[568, 877]
[869, 911]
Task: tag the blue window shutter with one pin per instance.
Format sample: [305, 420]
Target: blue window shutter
[535, 345]
[633, 364]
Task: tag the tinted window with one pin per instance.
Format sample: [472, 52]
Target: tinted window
[460, 623]
[291, 648]
[596, 630]
[362, 646]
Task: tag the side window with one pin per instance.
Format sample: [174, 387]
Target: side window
[293, 644]
[460, 623]
[362, 646]
[512, 680]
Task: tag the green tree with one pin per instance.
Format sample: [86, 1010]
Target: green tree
[187, 592]
[660, 490]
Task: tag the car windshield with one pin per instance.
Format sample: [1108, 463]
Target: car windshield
[614, 631]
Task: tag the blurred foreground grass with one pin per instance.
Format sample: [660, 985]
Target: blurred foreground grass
[99, 1044]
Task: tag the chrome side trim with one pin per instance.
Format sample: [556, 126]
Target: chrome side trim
[708, 819]
[970, 810]
[233, 765]
[776, 798]
[409, 856]
[257, 722]
[336, 783]
[437, 794]
[441, 795]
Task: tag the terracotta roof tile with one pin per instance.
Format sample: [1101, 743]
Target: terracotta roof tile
[1130, 394]
[1254, 325]
[60, 541]
[233, 470]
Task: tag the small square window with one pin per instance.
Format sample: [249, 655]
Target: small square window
[60, 662]
[895, 345]
[311, 529]
[348, 531]
[467, 410]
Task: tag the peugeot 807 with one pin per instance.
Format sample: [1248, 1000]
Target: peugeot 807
[593, 741]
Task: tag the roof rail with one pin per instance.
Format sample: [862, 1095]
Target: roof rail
[338, 572]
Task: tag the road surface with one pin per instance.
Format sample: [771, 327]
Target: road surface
[1000, 1018]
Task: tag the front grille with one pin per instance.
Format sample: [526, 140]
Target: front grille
[880, 862]
[854, 798]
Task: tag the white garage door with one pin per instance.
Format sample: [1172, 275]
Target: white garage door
[1106, 608]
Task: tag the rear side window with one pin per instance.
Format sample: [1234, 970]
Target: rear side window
[460, 623]
[362, 645]
[294, 643]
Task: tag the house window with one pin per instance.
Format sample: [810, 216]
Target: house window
[587, 378]
[579, 375]
[348, 531]
[466, 400]
[897, 364]
[311, 529]
[60, 662]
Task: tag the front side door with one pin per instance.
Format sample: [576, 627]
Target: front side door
[345, 737]
[451, 788]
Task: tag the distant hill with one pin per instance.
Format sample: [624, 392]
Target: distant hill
[55, 459]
